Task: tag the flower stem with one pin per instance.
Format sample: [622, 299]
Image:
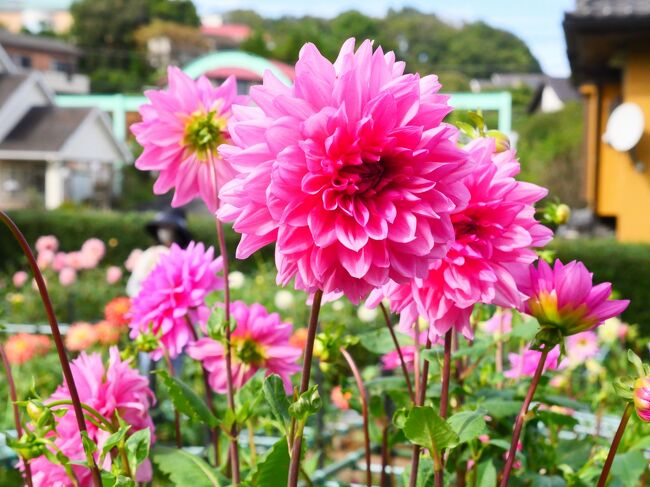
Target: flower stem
[101, 419]
[230, 390]
[14, 403]
[177, 416]
[444, 395]
[522, 415]
[615, 442]
[296, 446]
[56, 335]
[364, 410]
[399, 351]
[419, 401]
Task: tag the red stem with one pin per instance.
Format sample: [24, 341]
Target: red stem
[399, 351]
[177, 416]
[615, 442]
[522, 415]
[364, 410]
[444, 396]
[14, 403]
[230, 390]
[56, 335]
[296, 448]
[419, 401]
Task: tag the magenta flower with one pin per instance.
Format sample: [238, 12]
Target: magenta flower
[499, 324]
[259, 341]
[181, 128]
[116, 389]
[524, 364]
[172, 296]
[495, 233]
[350, 171]
[564, 299]
[581, 347]
[642, 398]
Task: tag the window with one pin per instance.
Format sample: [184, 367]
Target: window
[22, 61]
[62, 66]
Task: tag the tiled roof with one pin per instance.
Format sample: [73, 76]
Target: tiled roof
[39, 43]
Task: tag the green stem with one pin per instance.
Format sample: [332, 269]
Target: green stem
[99, 416]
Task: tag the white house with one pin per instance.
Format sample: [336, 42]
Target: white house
[50, 154]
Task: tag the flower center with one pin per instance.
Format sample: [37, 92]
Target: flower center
[204, 132]
[248, 351]
[359, 178]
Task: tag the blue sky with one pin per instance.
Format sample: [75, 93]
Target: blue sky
[539, 23]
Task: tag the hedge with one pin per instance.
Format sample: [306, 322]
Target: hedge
[121, 231]
[627, 266]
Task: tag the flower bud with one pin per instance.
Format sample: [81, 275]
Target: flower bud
[642, 398]
[501, 140]
[40, 414]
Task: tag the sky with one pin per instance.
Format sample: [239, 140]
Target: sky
[538, 23]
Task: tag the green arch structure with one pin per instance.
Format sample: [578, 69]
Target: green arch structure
[229, 59]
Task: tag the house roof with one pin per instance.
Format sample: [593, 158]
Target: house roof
[44, 129]
[36, 43]
[562, 88]
[235, 32]
[611, 8]
[8, 84]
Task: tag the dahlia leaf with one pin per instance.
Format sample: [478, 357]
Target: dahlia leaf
[278, 400]
[273, 469]
[113, 441]
[184, 469]
[426, 428]
[186, 401]
[487, 474]
[137, 448]
[468, 424]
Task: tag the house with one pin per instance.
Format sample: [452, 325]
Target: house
[608, 45]
[19, 16]
[221, 35]
[507, 81]
[49, 154]
[552, 94]
[55, 59]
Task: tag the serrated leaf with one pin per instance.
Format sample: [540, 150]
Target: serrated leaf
[426, 428]
[186, 401]
[273, 469]
[185, 469]
[468, 424]
[278, 401]
[113, 441]
[137, 448]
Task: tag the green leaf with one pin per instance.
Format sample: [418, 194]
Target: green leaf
[500, 408]
[628, 467]
[426, 473]
[379, 341]
[185, 469]
[477, 349]
[137, 448]
[499, 443]
[550, 418]
[278, 401]
[468, 424]
[186, 401]
[547, 481]
[307, 404]
[487, 474]
[113, 441]
[426, 428]
[273, 469]
[526, 330]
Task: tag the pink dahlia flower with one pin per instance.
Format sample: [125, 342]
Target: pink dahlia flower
[581, 346]
[259, 341]
[350, 171]
[642, 398]
[495, 233]
[67, 276]
[95, 248]
[47, 242]
[22, 347]
[524, 364]
[20, 278]
[564, 299]
[390, 360]
[499, 324]
[44, 259]
[113, 274]
[172, 297]
[112, 390]
[181, 128]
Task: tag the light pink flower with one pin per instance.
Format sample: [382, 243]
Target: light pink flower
[563, 298]
[115, 389]
[133, 259]
[499, 324]
[172, 297]
[391, 361]
[47, 242]
[60, 261]
[44, 259]
[76, 260]
[495, 233]
[113, 274]
[181, 128]
[67, 276]
[95, 248]
[260, 341]
[581, 346]
[350, 171]
[524, 364]
[20, 278]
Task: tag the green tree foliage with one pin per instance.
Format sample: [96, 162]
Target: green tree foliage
[425, 42]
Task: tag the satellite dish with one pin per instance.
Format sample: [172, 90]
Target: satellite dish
[624, 127]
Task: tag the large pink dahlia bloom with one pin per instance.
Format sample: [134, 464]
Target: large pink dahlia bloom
[525, 363]
[180, 131]
[172, 297]
[495, 234]
[112, 390]
[260, 341]
[350, 171]
[564, 299]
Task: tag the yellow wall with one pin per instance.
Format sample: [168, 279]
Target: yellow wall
[621, 190]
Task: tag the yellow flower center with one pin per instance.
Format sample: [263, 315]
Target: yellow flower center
[248, 351]
[204, 132]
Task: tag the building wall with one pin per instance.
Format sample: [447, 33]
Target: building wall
[22, 184]
[621, 190]
[42, 61]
